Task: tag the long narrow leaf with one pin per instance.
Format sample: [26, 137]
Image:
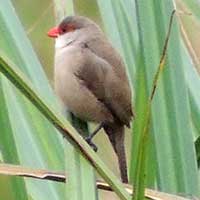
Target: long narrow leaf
[14, 75]
[170, 111]
[25, 129]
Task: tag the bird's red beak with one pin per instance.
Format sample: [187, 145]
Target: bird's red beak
[53, 32]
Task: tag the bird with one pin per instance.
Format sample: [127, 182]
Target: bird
[91, 80]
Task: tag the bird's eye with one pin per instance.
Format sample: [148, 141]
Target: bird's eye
[63, 30]
[67, 29]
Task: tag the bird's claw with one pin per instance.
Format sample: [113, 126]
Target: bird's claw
[89, 141]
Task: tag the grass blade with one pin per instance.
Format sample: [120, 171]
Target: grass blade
[25, 127]
[14, 75]
[170, 113]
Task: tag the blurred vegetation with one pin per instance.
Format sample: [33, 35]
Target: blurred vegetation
[37, 17]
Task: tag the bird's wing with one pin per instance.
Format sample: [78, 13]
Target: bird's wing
[100, 78]
[103, 48]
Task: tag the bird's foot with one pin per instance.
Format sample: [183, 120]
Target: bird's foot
[89, 138]
[89, 141]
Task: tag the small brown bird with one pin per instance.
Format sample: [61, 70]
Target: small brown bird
[91, 80]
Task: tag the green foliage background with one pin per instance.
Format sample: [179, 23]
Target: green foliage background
[137, 29]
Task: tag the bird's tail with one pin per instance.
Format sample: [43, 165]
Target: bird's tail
[116, 134]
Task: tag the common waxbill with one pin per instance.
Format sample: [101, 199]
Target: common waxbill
[91, 80]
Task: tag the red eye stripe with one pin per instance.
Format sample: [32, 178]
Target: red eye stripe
[69, 28]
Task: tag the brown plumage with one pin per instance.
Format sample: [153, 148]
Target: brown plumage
[91, 80]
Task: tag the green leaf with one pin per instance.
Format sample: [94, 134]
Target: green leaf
[26, 135]
[16, 77]
[171, 164]
[193, 84]
[15, 186]
[171, 132]
[118, 22]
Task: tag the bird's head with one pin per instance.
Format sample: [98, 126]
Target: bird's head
[70, 24]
